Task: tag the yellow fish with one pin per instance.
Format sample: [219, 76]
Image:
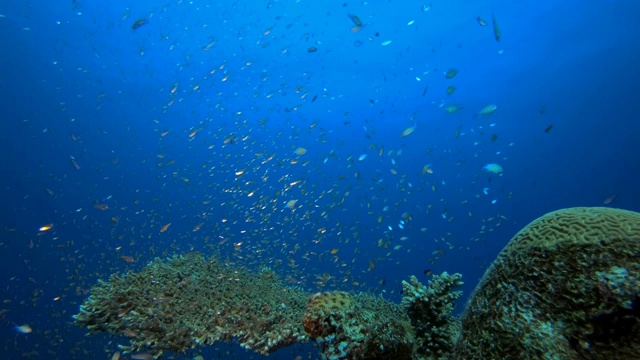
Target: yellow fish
[487, 110]
[291, 204]
[301, 151]
[24, 329]
[452, 109]
[45, 228]
[408, 130]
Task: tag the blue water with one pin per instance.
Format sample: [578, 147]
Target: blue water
[159, 120]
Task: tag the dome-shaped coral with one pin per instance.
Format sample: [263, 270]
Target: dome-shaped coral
[566, 286]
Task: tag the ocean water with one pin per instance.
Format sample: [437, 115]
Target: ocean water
[282, 134]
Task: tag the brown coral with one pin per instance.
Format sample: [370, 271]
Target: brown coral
[358, 327]
[185, 301]
[322, 306]
[566, 286]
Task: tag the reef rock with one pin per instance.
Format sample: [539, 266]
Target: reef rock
[567, 286]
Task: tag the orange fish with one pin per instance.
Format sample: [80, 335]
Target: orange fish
[165, 227]
[46, 227]
[197, 227]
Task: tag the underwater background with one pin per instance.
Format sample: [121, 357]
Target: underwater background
[346, 145]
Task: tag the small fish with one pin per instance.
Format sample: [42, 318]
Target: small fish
[548, 128]
[300, 151]
[99, 206]
[142, 356]
[427, 169]
[451, 73]
[23, 329]
[481, 21]
[165, 227]
[45, 227]
[386, 42]
[312, 49]
[291, 204]
[356, 20]
[487, 110]
[127, 259]
[451, 89]
[452, 109]
[408, 131]
[493, 168]
[335, 251]
[496, 29]
[138, 23]
[610, 199]
[362, 157]
[75, 163]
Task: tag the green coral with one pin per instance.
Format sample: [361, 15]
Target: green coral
[430, 309]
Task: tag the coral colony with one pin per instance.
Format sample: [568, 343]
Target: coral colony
[566, 286]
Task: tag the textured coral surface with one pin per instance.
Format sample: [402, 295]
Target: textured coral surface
[565, 287]
[187, 301]
[358, 326]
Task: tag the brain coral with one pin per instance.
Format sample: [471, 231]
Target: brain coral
[567, 286]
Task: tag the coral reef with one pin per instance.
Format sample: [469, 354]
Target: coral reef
[430, 310]
[358, 327]
[186, 301]
[565, 287]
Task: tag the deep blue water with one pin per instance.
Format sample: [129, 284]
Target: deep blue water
[159, 120]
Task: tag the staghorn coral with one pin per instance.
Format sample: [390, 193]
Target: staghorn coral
[430, 310]
[565, 287]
